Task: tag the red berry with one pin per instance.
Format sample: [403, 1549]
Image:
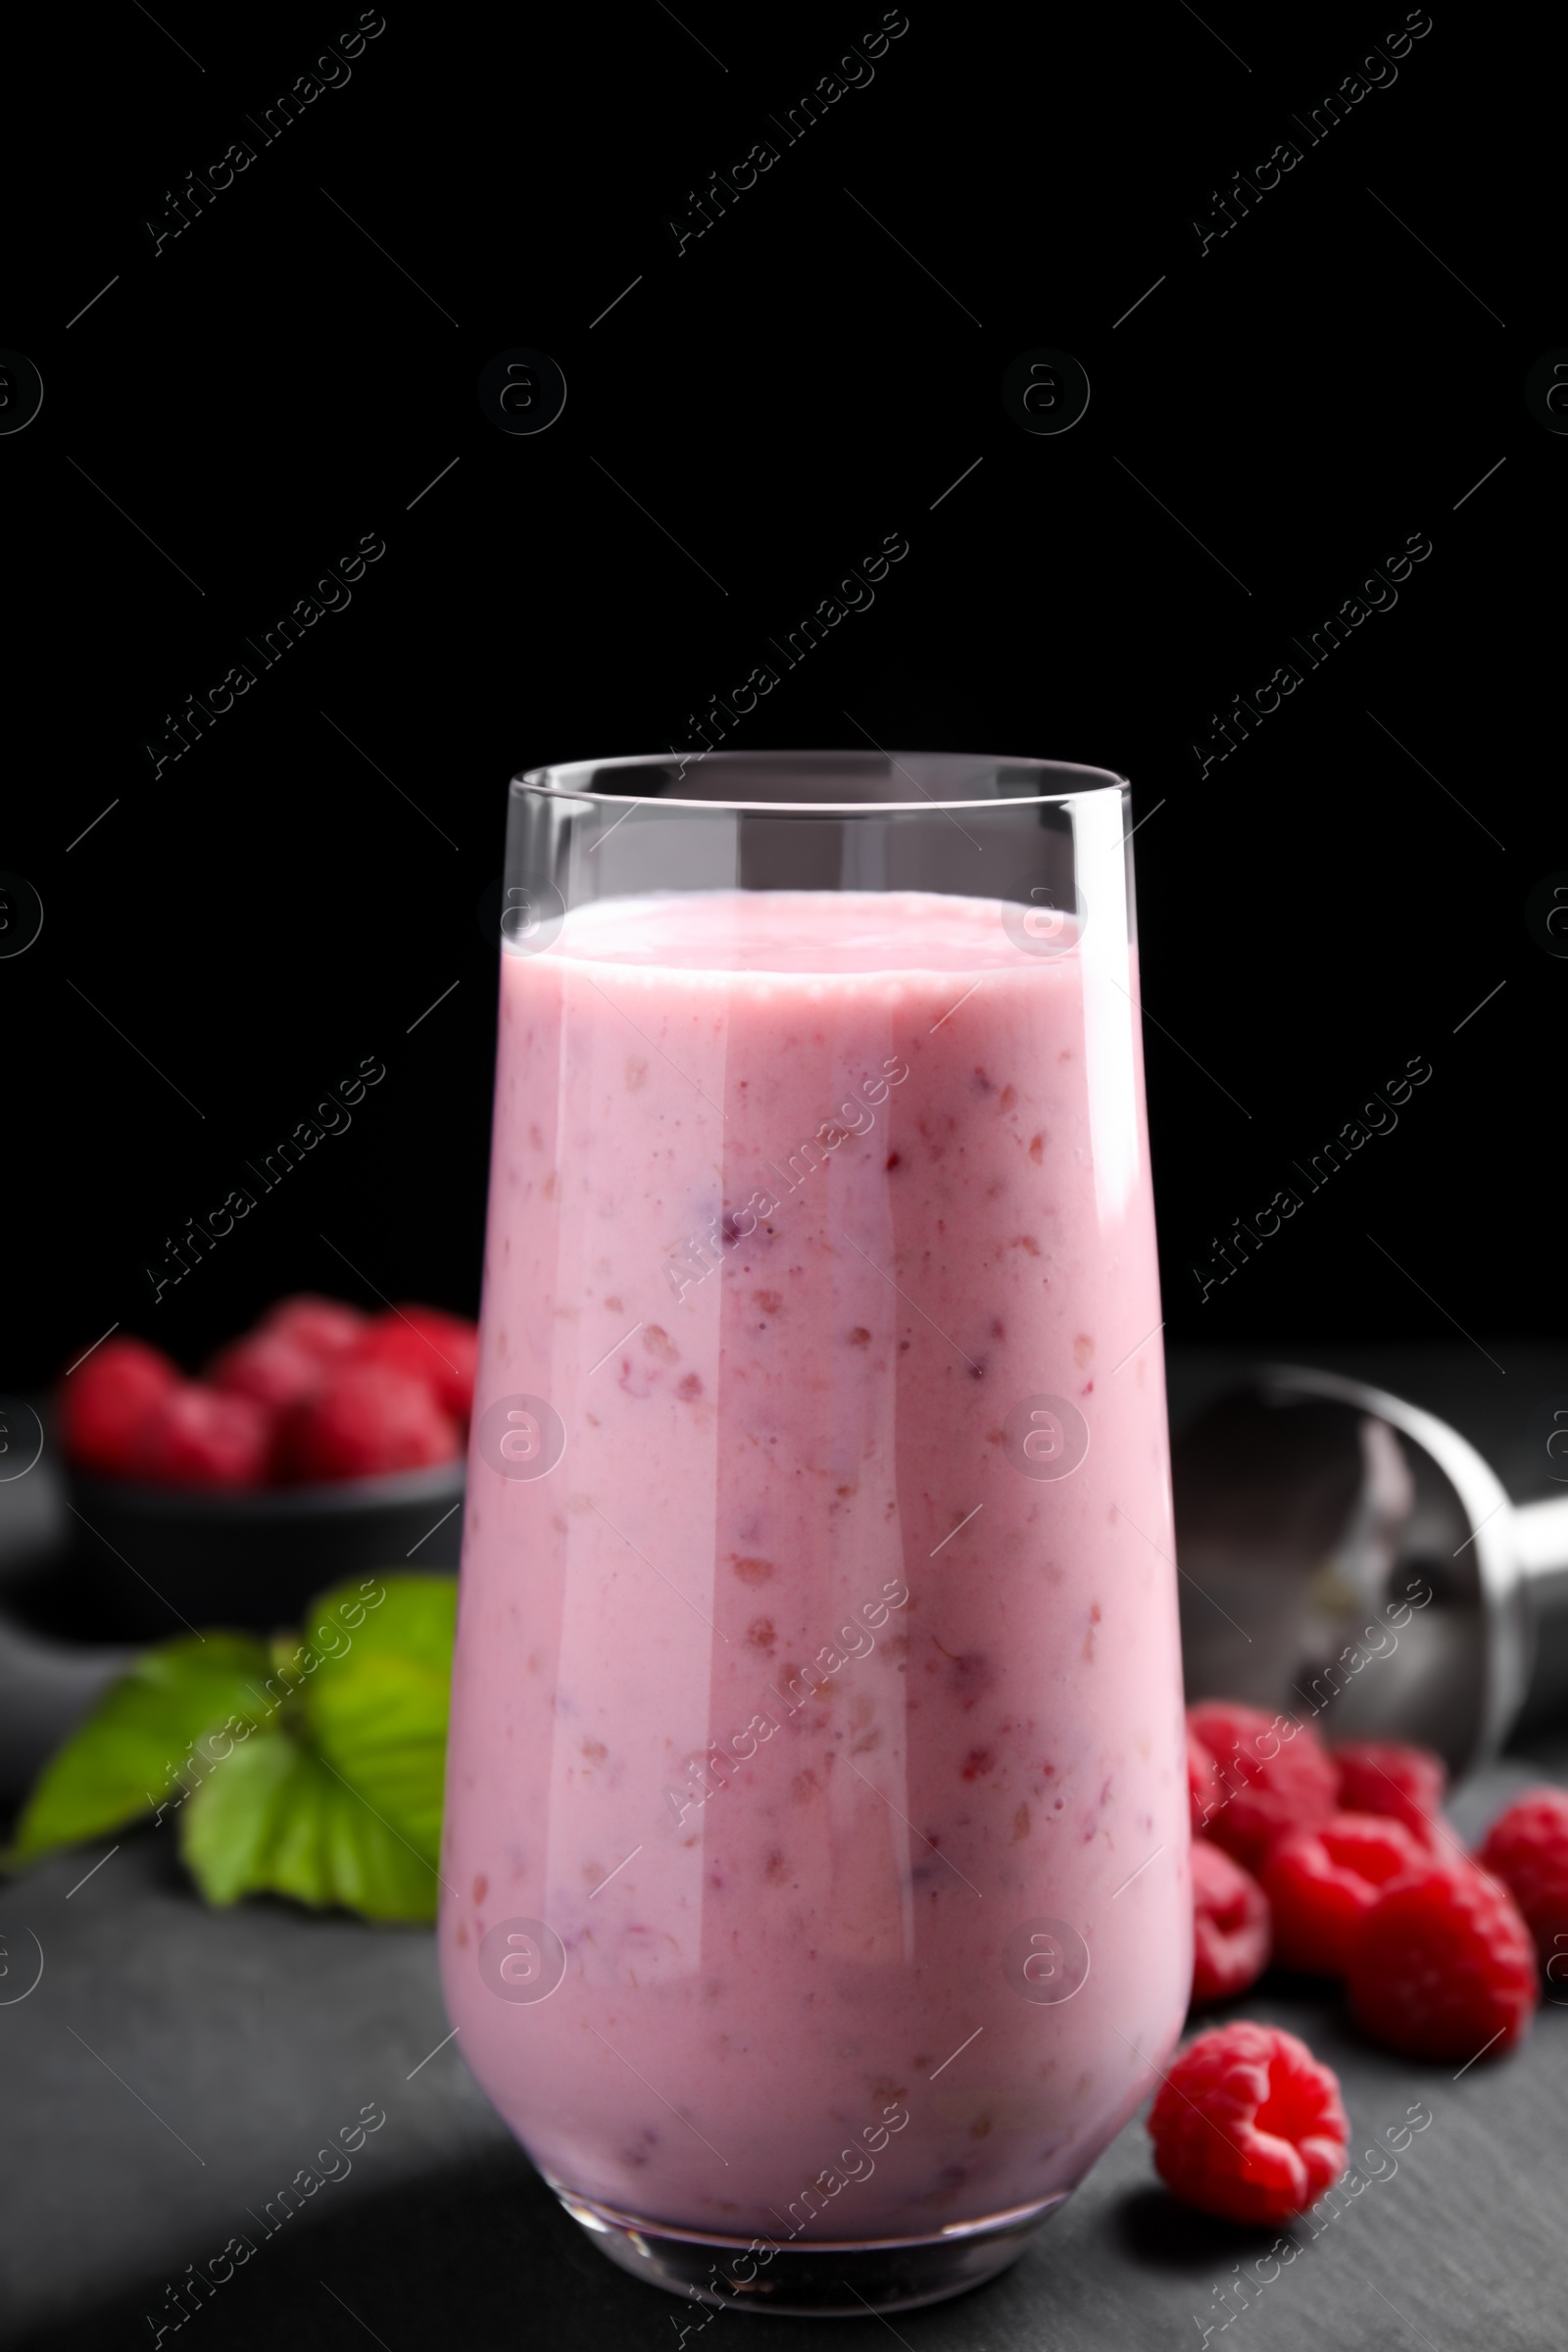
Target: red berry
[1230, 1926]
[1248, 2125]
[1379, 1776]
[1321, 1880]
[1526, 1849]
[363, 1421]
[267, 1366]
[1272, 1775]
[443, 1351]
[323, 1327]
[1203, 1794]
[104, 1403]
[197, 1436]
[1442, 1965]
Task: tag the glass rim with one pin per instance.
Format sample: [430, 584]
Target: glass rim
[549, 782]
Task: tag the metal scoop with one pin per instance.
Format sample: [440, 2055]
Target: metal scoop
[1347, 1557]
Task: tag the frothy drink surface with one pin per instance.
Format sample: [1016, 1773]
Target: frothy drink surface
[799, 1203]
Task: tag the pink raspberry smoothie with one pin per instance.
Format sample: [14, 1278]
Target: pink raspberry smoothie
[831, 1731]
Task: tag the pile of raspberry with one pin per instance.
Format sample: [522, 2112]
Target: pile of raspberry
[317, 1392]
[1338, 1862]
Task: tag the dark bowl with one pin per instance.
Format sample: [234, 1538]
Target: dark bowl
[143, 1561]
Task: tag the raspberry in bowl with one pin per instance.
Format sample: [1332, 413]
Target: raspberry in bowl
[321, 1444]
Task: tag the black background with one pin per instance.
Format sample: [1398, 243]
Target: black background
[1317, 386]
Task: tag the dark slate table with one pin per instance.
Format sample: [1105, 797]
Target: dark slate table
[173, 2068]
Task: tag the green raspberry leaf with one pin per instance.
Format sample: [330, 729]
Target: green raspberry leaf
[228, 1832]
[343, 1804]
[379, 1716]
[120, 1764]
[404, 1615]
[277, 1820]
[322, 1760]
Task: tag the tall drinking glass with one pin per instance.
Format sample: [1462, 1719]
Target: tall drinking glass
[817, 1901]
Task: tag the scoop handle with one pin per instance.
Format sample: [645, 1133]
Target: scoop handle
[1539, 1538]
[1540, 1533]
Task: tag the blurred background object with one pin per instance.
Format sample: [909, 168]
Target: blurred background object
[321, 1445]
[1345, 1553]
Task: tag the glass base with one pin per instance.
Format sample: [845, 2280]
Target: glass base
[827, 2280]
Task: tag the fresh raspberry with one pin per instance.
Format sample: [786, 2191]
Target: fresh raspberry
[442, 1351]
[267, 1366]
[197, 1436]
[363, 1421]
[1379, 1776]
[1526, 1849]
[104, 1403]
[323, 1327]
[1320, 1881]
[1442, 1965]
[1203, 1793]
[1271, 1774]
[1230, 1926]
[1248, 2125]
